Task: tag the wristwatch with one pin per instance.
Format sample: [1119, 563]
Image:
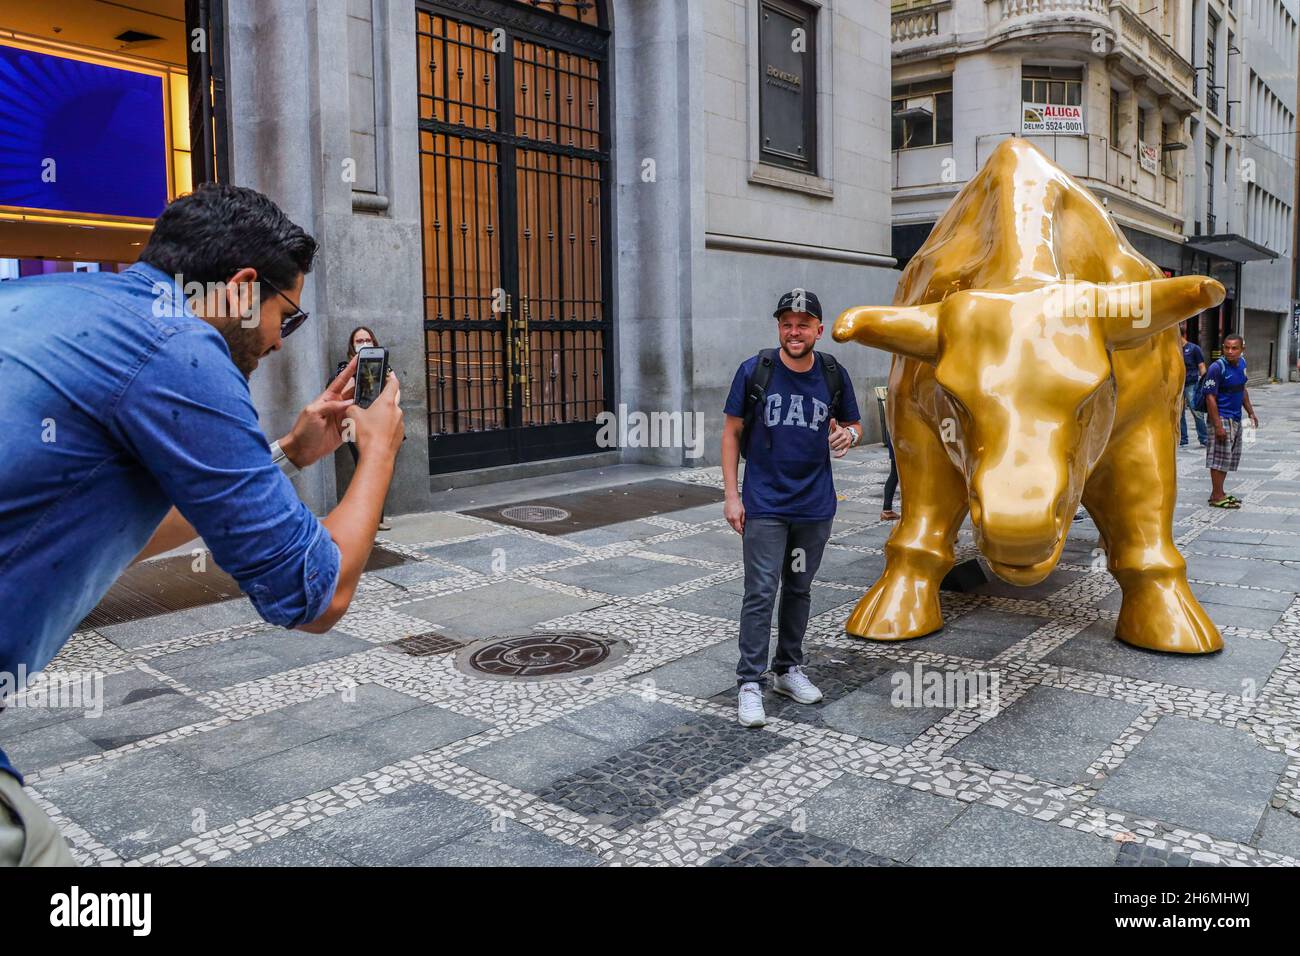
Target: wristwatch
[280, 458]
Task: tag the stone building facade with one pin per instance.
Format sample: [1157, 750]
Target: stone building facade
[612, 234]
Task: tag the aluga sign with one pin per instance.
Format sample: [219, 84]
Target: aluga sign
[1051, 118]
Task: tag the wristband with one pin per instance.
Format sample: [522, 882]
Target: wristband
[280, 458]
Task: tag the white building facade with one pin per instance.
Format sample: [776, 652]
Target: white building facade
[1270, 45]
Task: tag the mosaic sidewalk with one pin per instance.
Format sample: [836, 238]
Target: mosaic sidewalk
[226, 741]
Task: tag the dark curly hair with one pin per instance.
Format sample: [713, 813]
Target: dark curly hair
[210, 234]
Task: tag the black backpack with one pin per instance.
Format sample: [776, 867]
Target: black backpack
[756, 390]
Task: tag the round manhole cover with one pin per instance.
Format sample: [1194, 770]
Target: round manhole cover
[534, 514]
[542, 656]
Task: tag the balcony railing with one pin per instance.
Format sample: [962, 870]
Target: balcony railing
[1143, 41]
[913, 26]
[915, 19]
[1022, 8]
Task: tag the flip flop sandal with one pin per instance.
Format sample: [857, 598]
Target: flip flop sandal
[1234, 498]
[1225, 502]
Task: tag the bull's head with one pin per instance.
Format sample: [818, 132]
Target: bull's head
[1025, 396]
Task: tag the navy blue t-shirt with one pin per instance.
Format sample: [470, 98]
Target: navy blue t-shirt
[1219, 374]
[792, 479]
[1192, 358]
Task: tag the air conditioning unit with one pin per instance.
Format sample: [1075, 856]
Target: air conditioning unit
[917, 107]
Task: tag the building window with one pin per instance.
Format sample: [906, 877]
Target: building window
[1211, 61]
[922, 114]
[1114, 117]
[1168, 163]
[787, 84]
[1052, 85]
[1211, 146]
[1051, 100]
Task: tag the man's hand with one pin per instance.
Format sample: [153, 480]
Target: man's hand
[352, 524]
[379, 428]
[1253, 420]
[841, 439]
[734, 511]
[1220, 432]
[319, 428]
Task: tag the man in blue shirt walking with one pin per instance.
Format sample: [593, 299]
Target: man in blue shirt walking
[1225, 394]
[788, 503]
[130, 430]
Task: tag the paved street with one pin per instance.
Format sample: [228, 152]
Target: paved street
[226, 741]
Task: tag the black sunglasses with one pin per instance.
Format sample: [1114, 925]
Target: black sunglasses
[290, 323]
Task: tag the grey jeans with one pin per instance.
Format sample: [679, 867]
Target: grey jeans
[785, 554]
[27, 836]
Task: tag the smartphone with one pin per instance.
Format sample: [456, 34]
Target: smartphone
[372, 372]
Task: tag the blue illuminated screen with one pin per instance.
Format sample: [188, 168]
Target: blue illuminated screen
[101, 126]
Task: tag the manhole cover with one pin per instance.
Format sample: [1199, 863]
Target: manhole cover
[425, 645]
[534, 514]
[541, 656]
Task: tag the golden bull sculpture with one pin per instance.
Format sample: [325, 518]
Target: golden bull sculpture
[1036, 364]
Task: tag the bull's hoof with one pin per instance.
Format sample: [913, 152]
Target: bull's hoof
[897, 608]
[1164, 616]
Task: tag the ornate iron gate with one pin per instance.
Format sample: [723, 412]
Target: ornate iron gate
[515, 177]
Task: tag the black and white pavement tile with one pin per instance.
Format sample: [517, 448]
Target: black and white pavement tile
[623, 766]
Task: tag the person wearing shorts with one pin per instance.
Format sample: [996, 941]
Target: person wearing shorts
[1225, 396]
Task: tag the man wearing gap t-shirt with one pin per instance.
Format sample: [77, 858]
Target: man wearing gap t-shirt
[788, 503]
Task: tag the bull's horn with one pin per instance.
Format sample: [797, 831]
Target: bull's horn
[1132, 312]
[905, 330]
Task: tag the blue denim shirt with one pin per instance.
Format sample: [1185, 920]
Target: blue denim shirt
[117, 402]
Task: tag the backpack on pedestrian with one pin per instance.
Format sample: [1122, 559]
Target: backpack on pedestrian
[1198, 393]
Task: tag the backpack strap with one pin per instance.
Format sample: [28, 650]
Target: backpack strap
[756, 395]
[834, 376]
[1226, 389]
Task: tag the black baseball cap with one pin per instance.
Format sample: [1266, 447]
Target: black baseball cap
[799, 300]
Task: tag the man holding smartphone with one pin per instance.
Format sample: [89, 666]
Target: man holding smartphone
[131, 430]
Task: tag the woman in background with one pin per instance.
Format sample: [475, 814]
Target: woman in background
[361, 338]
[888, 513]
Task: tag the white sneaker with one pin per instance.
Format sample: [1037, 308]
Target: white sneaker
[750, 706]
[795, 683]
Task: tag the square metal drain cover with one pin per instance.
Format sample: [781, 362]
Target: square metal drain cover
[164, 585]
[602, 506]
[424, 645]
